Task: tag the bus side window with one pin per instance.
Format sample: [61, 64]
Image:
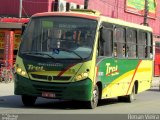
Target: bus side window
[148, 49]
[149, 46]
[141, 44]
[131, 38]
[119, 43]
[105, 42]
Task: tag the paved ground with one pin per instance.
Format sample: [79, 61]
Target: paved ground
[156, 82]
[147, 103]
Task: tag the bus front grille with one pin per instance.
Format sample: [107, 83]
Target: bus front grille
[45, 77]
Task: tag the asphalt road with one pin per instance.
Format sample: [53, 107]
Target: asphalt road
[147, 102]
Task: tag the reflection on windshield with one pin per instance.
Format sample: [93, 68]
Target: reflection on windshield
[57, 51]
[60, 37]
[39, 54]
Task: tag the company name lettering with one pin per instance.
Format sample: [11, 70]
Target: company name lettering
[36, 68]
[111, 70]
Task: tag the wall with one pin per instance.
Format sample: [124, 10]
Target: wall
[111, 8]
[116, 9]
[10, 8]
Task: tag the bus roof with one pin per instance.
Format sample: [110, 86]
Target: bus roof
[70, 13]
[95, 15]
[124, 23]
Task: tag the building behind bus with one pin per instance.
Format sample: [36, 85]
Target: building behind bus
[126, 10]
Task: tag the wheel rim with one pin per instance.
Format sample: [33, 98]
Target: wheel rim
[132, 96]
[95, 97]
[133, 93]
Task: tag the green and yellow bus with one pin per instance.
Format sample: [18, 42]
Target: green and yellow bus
[84, 56]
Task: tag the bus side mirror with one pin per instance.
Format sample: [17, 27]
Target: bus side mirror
[103, 35]
[23, 28]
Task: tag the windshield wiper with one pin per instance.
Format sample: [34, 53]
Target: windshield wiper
[38, 53]
[68, 50]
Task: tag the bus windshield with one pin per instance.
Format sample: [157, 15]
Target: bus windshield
[59, 37]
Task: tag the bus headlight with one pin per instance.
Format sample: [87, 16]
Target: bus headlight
[20, 71]
[82, 76]
[85, 75]
[23, 73]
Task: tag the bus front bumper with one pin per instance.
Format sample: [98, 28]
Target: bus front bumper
[80, 90]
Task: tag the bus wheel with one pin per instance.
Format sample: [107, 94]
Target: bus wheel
[28, 100]
[94, 101]
[130, 98]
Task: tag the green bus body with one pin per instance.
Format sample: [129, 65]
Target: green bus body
[80, 79]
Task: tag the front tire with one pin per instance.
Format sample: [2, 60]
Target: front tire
[28, 100]
[94, 100]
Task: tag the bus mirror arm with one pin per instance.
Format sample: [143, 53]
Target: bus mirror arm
[102, 34]
[23, 28]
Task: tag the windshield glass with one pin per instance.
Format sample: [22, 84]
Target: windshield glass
[59, 37]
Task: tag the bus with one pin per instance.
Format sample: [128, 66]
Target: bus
[84, 56]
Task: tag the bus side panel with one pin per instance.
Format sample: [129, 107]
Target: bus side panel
[118, 76]
[144, 75]
[115, 75]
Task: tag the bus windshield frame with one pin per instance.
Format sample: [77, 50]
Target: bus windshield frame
[59, 37]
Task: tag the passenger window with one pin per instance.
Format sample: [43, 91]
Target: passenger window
[142, 39]
[149, 46]
[119, 43]
[105, 42]
[131, 36]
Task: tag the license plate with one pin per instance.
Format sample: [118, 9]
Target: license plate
[48, 94]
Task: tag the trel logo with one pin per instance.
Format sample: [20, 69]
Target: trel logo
[35, 68]
[111, 70]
